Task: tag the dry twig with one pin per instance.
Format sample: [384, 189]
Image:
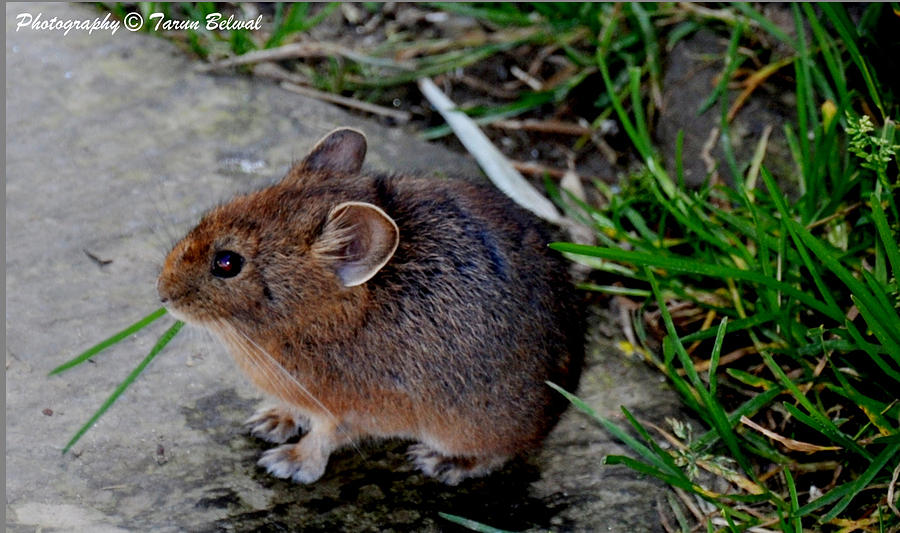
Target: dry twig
[492, 90]
[754, 81]
[890, 494]
[725, 360]
[536, 169]
[296, 51]
[788, 443]
[543, 126]
[273, 71]
[399, 116]
[706, 154]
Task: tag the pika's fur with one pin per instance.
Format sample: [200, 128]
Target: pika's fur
[384, 306]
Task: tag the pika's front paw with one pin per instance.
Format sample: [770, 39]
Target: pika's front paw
[291, 462]
[276, 424]
[450, 470]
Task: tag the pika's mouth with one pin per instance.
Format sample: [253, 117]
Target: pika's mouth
[176, 313]
[169, 300]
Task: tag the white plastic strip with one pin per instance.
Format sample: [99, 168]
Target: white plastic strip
[492, 161]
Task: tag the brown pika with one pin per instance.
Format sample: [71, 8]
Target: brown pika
[384, 306]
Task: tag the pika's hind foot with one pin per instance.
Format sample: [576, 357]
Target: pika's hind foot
[451, 470]
[276, 424]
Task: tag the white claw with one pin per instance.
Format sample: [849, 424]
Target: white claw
[275, 424]
[281, 463]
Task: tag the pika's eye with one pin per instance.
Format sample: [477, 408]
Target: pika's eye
[227, 264]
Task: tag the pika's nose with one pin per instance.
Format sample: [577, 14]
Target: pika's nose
[160, 289]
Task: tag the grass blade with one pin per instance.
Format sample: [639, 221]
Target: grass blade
[733, 326]
[765, 23]
[651, 47]
[160, 344]
[871, 350]
[845, 29]
[819, 422]
[664, 456]
[795, 503]
[873, 409]
[863, 480]
[713, 409]
[886, 319]
[649, 470]
[99, 347]
[471, 524]
[886, 334]
[748, 408]
[617, 432]
[807, 260]
[509, 16]
[835, 494]
[891, 248]
[691, 266]
[714, 359]
[805, 112]
[731, 63]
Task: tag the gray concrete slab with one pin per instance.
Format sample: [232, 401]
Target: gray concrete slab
[115, 146]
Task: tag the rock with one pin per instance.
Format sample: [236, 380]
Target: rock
[691, 73]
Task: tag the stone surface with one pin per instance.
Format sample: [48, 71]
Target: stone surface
[692, 70]
[115, 146]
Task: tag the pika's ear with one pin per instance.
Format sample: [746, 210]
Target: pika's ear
[341, 151]
[358, 240]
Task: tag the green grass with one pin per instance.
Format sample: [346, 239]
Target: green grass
[804, 283]
[812, 282]
[375, 75]
[133, 329]
[288, 19]
[118, 337]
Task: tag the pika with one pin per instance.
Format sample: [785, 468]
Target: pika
[384, 306]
